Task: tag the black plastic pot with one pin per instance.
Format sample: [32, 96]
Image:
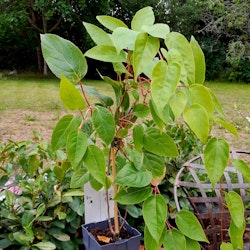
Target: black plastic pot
[126, 244]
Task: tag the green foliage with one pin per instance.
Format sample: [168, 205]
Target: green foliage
[135, 135]
[38, 210]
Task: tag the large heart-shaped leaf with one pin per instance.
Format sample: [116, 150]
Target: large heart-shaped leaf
[174, 240]
[164, 82]
[160, 30]
[154, 211]
[197, 119]
[177, 103]
[216, 156]
[63, 57]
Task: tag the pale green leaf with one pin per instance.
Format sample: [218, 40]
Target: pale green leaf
[45, 245]
[199, 94]
[199, 59]
[131, 196]
[22, 238]
[124, 38]
[150, 242]
[242, 167]
[177, 41]
[111, 22]
[63, 57]
[174, 240]
[154, 211]
[192, 244]
[160, 30]
[73, 192]
[216, 156]
[104, 124]
[226, 246]
[189, 225]
[146, 48]
[159, 122]
[177, 103]
[236, 208]
[143, 17]
[141, 110]
[217, 104]
[236, 234]
[70, 96]
[94, 161]
[44, 218]
[98, 35]
[197, 119]
[106, 53]
[132, 177]
[159, 143]
[76, 147]
[164, 82]
[228, 126]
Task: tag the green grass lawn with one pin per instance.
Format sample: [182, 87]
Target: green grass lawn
[42, 94]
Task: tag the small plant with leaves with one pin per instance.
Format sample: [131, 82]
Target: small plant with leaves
[124, 140]
[38, 210]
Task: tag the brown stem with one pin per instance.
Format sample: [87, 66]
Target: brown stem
[84, 96]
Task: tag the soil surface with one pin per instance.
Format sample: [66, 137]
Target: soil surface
[19, 125]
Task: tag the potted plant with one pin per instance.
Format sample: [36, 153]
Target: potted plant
[121, 140]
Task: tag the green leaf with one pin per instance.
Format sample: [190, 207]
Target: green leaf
[236, 208]
[155, 164]
[159, 143]
[76, 147]
[201, 95]
[10, 197]
[159, 122]
[104, 124]
[22, 238]
[98, 35]
[141, 110]
[110, 22]
[226, 246]
[4, 243]
[146, 48]
[177, 41]
[154, 211]
[174, 240]
[189, 225]
[177, 103]
[45, 245]
[237, 234]
[217, 104]
[70, 96]
[132, 177]
[33, 165]
[124, 38]
[199, 59]
[138, 133]
[197, 119]
[44, 218]
[192, 244]
[27, 218]
[242, 167]
[160, 30]
[59, 135]
[131, 196]
[164, 82]
[79, 178]
[95, 163]
[106, 53]
[228, 126]
[144, 16]
[75, 192]
[216, 156]
[63, 57]
[41, 208]
[150, 242]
